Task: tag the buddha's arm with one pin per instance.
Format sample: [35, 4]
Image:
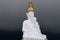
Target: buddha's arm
[37, 27]
[24, 26]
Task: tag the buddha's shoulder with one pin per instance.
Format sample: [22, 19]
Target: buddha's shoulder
[25, 21]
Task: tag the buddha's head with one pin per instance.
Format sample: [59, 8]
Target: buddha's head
[30, 14]
[30, 11]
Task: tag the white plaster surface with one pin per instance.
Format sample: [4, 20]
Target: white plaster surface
[31, 30]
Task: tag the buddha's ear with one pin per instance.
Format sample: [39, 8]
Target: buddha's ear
[27, 14]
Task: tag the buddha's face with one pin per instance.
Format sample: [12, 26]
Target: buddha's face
[30, 14]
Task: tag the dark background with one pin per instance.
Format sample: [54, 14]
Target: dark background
[12, 15]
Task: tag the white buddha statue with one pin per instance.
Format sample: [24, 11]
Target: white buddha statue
[31, 30]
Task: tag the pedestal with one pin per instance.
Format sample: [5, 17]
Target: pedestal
[42, 37]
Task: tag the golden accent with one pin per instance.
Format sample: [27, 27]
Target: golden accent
[30, 7]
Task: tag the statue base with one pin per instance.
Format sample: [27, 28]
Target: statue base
[42, 37]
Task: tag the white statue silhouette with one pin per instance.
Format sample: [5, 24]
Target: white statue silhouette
[31, 29]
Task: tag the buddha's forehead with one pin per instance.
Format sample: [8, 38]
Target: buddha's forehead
[29, 13]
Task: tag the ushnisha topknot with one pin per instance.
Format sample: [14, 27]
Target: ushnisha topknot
[30, 7]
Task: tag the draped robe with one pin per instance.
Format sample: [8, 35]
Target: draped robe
[31, 29]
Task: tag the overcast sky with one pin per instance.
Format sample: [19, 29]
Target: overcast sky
[12, 14]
